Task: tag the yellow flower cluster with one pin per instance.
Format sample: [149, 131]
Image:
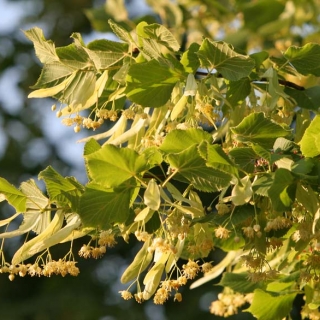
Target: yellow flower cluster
[88, 251]
[229, 303]
[60, 267]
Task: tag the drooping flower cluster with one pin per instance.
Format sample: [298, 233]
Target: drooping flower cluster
[60, 267]
[106, 239]
[229, 303]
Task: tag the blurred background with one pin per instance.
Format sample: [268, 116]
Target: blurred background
[31, 135]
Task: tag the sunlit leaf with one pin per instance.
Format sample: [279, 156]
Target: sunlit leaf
[57, 185]
[256, 128]
[304, 59]
[310, 142]
[151, 83]
[100, 207]
[162, 35]
[282, 190]
[274, 306]
[105, 53]
[45, 49]
[221, 56]
[216, 158]
[193, 168]
[189, 58]
[37, 206]
[110, 166]
[15, 197]
[122, 33]
[178, 140]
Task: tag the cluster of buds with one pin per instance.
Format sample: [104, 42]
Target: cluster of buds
[251, 232]
[142, 235]
[163, 293]
[105, 114]
[278, 223]
[106, 239]
[87, 251]
[229, 303]
[177, 225]
[76, 122]
[60, 267]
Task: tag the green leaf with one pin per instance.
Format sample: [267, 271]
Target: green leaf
[57, 185]
[162, 35]
[230, 244]
[307, 197]
[90, 147]
[266, 306]
[190, 60]
[152, 156]
[15, 197]
[275, 90]
[74, 55]
[238, 90]
[120, 32]
[304, 59]
[100, 207]
[303, 166]
[239, 282]
[216, 158]
[256, 128]
[110, 166]
[75, 90]
[194, 170]
[45, 49]
[244, 157]
[310, 142]
[105, 53]
[51, 73]
[282, 190]
[283, 145]
[221, 56]
[151, 83]
[37, 206]
[262, 185]
[277, 286]
[178, 140]
[307, 99]
[259, 58]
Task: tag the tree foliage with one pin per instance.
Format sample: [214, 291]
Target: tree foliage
[202, 144]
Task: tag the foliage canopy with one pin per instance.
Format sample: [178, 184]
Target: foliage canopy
[202, 143]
